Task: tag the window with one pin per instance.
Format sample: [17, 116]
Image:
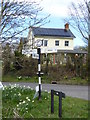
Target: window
[45, 42]
[66, 43]
[56, 43]
[42, 43]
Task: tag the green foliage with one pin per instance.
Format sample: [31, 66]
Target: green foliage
[7, 58]
[22, 65]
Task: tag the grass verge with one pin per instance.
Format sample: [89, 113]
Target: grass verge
[45, 79]
[18, 103]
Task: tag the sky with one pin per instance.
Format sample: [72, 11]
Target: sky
[58, 10]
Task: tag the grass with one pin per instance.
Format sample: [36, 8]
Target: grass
[74, 81]
[18, 103]
[12, 78]
[45, 79]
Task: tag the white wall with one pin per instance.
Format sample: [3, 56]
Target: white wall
[51, 43]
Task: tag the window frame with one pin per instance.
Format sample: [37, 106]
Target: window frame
[66, 43]
[56, 42]
[45, 43]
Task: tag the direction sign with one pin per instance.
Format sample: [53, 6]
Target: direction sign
[35, 56]
[29, 51]
[48, 50]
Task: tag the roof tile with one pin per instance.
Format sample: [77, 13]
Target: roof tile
[52, 32]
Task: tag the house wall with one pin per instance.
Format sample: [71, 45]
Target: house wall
[51, 43]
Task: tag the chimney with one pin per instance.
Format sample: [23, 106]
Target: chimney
[66, 26]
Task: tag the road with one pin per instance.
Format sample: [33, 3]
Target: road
[69, 90]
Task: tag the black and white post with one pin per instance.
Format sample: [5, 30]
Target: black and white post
[39, 72]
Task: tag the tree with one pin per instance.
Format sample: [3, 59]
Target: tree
[89, 45]
[79, 18]
[17, 17]
[7, 58]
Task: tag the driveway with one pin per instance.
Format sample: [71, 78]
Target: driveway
[69, 90]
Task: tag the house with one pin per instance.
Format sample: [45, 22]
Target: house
[51, 39]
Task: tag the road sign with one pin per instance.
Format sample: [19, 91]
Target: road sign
[35, 56]
[34, 51]
[29, 51]
[48, 50]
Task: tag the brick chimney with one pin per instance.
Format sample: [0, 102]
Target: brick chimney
[66, 26]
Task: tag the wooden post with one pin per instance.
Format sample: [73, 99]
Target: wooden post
[60, 104]
[39, 71]
[52, 101]
[60, 94]
[54, 58]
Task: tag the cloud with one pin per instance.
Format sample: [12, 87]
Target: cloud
[57, 8]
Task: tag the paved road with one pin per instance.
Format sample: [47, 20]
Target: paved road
[69, 90]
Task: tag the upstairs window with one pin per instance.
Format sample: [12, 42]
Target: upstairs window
[45, 42]
[42, 43]
[57, 43]
[66, 43]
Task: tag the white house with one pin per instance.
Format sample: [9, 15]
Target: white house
[51, 39]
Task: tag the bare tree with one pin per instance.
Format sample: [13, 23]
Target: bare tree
[17, 17]
[78, 18]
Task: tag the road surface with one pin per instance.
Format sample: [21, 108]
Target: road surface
[69, 90]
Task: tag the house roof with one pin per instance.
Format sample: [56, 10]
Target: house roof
[52, 32]
[75, 51]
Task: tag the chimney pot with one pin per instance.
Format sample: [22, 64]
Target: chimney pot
[66, 26]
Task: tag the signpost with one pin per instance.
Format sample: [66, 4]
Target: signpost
[48, 50]
[29, 51]
[61, 95]
[39, 70]
[35, 56]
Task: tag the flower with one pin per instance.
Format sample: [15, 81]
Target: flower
[27, 104]
[20, 103]
[18, 108]
[26, 108]
[23, 102]
[17, 105]
[28, 99]
[49, 92]
[19, 94]
[45, 90]
[31, 88]
[45, 98]
[28, 87]
[33, 101]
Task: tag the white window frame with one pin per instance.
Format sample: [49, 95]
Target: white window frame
[45, 42]
[67, 43]
[56, 42]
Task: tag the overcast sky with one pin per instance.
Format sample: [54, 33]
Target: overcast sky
[58, 10]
